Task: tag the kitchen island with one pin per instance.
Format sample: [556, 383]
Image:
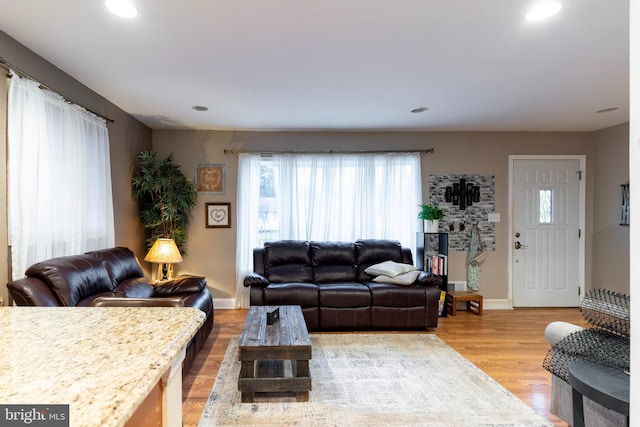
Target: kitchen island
[113, 366]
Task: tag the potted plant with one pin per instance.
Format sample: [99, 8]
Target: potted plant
[165, 197]
[431, 214]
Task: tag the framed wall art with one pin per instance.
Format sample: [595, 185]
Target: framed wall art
[624, 207]
[210, 179]
[218, 215]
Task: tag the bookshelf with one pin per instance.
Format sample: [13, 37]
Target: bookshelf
[432, 255]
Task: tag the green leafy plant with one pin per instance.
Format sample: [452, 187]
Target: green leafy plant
[165, 198]
[430, 212]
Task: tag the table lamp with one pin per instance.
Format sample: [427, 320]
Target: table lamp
[165, 253]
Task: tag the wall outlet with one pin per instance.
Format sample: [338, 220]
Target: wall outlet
[459, 285]
[494, 217]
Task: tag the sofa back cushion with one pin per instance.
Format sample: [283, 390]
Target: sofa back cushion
[120, 263]
[72, 278]
[333, 261]
[374, 251]
[288, 261]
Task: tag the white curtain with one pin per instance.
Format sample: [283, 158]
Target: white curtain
[341, 197]
[60, 200]
[348, 196]
[247, 212]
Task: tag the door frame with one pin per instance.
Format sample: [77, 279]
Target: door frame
[581, 219]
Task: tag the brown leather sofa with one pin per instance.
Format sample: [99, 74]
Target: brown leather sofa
[329, 282]
[111, 274]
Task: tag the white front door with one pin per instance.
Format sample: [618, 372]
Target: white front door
[546, 237]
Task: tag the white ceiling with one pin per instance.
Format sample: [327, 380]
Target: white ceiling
[341, 64]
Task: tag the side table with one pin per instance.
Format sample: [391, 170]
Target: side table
[604, 385]
[473, 300]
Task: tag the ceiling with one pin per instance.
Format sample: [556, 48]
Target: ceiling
[477, 65]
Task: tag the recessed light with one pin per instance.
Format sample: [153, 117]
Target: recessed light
[606, 110]
[122, 8]
[419, 110]
[543, 10]
[200, 108]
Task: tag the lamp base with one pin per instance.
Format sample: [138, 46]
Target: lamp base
[165, 272]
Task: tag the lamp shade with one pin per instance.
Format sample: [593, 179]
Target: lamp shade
[164, 251]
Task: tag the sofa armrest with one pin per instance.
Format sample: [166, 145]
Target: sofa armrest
[255, 279]
[557, 331]
[136, 302]
[30, 291]
[428, 279]
[180, 285]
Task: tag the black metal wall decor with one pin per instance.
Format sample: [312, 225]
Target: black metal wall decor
[478, 204]
[462, 194]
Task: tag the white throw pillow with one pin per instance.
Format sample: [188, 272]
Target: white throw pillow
[389, 269]
[401, 279]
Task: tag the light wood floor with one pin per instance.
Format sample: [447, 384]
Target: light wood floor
[508, 345]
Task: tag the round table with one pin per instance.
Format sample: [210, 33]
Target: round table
[604, 385]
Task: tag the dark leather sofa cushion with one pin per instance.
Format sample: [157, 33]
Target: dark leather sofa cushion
[288, 261]
[387, 295]
[373, 251]
[185, 284]
[138, 287]
[120, 262]
[72, 278]
[302, 294]
[333, 261]
[344, 295]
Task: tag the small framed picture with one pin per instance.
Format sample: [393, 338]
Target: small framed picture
[218, 215]
[210, 179]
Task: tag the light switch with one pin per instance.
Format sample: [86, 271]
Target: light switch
[494, 217]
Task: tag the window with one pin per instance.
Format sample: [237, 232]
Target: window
[335, 197]
[546, 206]
[59, 193]
[338, 197]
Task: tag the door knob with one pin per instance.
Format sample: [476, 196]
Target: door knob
[519, 245]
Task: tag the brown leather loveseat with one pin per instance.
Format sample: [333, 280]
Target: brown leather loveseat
[328, 280]
[82, 280]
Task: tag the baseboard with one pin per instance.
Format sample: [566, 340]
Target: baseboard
[488, 304]
[496, 304]
[224, 303]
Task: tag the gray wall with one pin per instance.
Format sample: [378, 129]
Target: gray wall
[211, 252]
[126, 137]
[611, 240]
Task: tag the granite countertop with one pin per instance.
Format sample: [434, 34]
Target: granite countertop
[103, 362]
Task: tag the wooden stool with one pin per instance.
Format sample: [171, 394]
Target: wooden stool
[473, 300]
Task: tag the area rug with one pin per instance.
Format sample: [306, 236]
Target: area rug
[374, 380]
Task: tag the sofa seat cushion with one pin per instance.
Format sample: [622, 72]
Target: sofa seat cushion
[138, 287]
[389, 295]
[344, 295]
[302, 294]
[72, 278]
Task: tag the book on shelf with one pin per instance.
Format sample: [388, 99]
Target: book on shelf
[436, 264]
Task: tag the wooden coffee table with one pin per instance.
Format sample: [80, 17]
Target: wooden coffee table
[268, 351]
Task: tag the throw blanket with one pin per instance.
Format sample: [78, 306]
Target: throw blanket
[475, 258]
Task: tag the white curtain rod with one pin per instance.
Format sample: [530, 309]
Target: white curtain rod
[8, 66]
[421, 152]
